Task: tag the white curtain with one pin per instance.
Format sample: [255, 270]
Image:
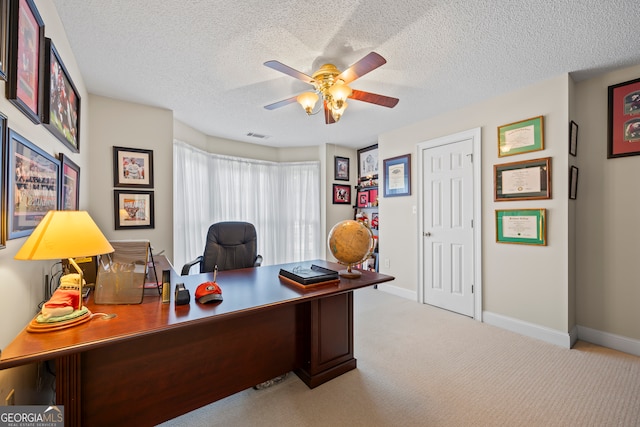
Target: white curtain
[282, 200]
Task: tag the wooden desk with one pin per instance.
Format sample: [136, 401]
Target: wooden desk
[155, 361]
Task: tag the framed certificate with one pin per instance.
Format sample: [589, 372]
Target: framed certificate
[522, 226]
[521, 137]
[526, 180]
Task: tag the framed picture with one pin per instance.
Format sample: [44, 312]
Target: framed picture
[368, 163]
[61, 104]
[132, 167]
[363, 199]
[624, 119]
[70, 181]
[375, 221]
[133, 209]
[33, 185]
[573, 138]
[3, 187]
[397, 176]
[26, 58]
[373, 197]
[4, 31]
[526, 180]
[341, 167]
[573, 183]
[522, 226]
[341, 194]
[521, 137]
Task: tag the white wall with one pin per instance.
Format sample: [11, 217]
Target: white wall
[608, 236]
[526, 283]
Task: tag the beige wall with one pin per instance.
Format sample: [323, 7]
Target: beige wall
[521, 282]
[607, 236]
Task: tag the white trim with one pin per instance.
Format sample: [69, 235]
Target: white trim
[552, 336]
[398, 291]
[609, 340]
[476, 136]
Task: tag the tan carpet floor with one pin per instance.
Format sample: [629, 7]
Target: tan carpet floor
[423, 366]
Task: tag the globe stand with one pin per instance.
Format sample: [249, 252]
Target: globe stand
[349, 273]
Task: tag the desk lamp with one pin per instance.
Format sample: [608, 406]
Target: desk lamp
[65, 234]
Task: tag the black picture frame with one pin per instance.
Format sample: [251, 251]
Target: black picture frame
[368, 163]
[25, 69]
[397, 176]
[3, 180]
[70, 182]
[523, 180]
[132, 167]
[61, 104]
[624, 119]
[573, 138]
[133, 209]
[33, 185]
[573, 182]
[341, 194]
[341, 168]
[4, 40]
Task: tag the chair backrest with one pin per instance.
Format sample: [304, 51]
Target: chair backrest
[230, 245]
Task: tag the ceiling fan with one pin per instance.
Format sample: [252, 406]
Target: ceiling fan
[332, 85]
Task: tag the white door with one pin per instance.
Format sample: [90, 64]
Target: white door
[447, 215]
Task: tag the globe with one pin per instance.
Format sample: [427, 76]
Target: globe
[350, 242]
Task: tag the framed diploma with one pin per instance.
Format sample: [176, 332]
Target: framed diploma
[521, 137]
[397, 176]
[526, 180]
[521, 226]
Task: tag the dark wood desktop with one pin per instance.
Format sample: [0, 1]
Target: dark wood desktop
[154, 361]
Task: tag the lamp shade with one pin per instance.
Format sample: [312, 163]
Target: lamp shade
[64, 234]
[307, 100]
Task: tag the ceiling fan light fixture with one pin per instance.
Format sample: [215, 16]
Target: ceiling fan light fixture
[339, 92]
[337, 112]
[307, 100]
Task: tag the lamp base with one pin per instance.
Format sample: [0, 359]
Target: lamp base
[76, 318]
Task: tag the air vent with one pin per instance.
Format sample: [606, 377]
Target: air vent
[257, 135]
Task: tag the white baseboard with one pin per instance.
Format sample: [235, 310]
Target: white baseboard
[398, 291]
[606, 339]
[552, 336]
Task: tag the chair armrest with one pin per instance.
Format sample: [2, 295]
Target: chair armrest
[187, 266]
[258, 261]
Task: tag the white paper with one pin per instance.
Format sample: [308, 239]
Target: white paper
[521, 227]
[525, 180]
[521, 137]
[396, 177]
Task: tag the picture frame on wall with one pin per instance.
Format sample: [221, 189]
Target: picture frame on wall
[33, 185]
[397, 176]
[133, 209]
[341, 168]
[61, 105]
[132, 167]
[573, 183]
[363, 199]
[573, 138]
[624, 119]
[341, 194]
[368, 163]
[520, 137]
[521, 226]
[525, 180]
[25, 58]
[3, 178]
[4, 32]
[70, 181]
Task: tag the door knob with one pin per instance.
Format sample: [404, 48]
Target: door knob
[426, 234]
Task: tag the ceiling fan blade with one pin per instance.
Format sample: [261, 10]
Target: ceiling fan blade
[374, 98]
[362, 67]
[281, 103]
[279, 66]
[328, 117]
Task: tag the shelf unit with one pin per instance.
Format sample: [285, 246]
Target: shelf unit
[369, 208]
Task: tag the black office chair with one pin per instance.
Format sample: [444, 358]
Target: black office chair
[230, 245]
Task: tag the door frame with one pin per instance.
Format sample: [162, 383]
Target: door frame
[476, 136]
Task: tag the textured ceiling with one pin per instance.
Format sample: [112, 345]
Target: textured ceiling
[203, 59]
